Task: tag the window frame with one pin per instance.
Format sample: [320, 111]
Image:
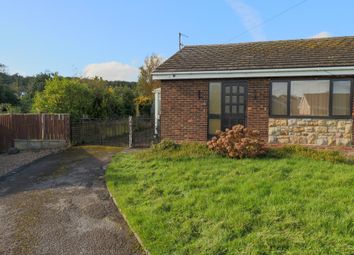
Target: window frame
[330, 104]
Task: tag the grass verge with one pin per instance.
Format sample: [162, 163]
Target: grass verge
[187, 200]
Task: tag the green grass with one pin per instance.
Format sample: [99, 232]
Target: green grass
[186, 200]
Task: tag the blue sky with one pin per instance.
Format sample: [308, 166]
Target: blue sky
[112, 38]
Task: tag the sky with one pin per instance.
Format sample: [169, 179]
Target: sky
[110, 38]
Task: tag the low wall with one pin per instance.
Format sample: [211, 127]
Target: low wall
[39, 144]
[310, 131]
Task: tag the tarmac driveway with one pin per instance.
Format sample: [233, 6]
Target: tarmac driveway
[60, 205]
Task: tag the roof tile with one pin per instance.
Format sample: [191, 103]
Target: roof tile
[323, 52]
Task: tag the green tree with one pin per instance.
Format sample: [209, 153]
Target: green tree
[64, 95]
[2, 68]
[32, 86]
[125, 95]
[7, 95]
[145, 82]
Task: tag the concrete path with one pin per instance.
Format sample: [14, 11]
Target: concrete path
[60, 205]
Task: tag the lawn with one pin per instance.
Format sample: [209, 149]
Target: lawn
[189, 201]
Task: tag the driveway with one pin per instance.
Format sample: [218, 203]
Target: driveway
[60, 205]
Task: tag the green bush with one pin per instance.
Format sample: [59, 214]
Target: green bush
[165, 144]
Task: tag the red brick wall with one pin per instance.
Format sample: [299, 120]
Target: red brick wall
[183, 115]
[258, 105]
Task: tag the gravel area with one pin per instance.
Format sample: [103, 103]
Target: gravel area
[14, 161]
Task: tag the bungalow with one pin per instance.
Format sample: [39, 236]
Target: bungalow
[294, 91]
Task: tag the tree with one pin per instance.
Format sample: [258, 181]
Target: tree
[37, 83]
[64, 95]
[126, 95]
[2, 68]
[7, 95]
[145, 82]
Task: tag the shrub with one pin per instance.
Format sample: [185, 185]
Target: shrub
[238, 142]
[165, 144]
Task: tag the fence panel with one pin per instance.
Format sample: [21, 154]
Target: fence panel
[100, 131]
[6, 132]
[33, 127]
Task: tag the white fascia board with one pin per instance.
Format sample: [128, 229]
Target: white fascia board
[286, 72]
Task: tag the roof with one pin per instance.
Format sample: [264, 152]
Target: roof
[304, 53]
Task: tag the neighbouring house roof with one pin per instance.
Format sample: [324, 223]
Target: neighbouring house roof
[319, 100]
[323, 53]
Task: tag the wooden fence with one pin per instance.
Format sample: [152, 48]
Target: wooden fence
[33, 126]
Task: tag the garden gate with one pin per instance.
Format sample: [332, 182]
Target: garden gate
[129, 131]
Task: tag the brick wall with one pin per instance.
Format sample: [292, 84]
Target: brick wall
[184, 116]
[258, 105]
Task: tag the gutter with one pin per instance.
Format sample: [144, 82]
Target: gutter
[255, 73]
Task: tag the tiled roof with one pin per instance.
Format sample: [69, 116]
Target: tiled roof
[322, 52]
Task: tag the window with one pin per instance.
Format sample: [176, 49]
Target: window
[215, 98]
[341, 98]
[214, 107]
[314, 98]
[309, 98]
[279, 104]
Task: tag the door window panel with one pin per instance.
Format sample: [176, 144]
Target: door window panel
[227, 99]
[214, 125]
[242, 89]
[227, 108]
[215, 98]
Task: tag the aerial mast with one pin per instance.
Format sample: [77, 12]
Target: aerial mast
[180, 44]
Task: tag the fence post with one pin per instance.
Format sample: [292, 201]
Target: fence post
[130, 120]
[42, 125]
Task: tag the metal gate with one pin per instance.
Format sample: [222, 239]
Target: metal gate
[129, 131]
[143, 132]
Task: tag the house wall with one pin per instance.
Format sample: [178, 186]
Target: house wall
[311, 131]
[184, 116]
[258, 106]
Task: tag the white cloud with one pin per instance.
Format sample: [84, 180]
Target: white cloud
[250, 18]
[112, 71]
[323, 34]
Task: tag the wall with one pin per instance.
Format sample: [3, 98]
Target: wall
[311, 131]
[258, 105]
[34, 144]
[184, 116]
